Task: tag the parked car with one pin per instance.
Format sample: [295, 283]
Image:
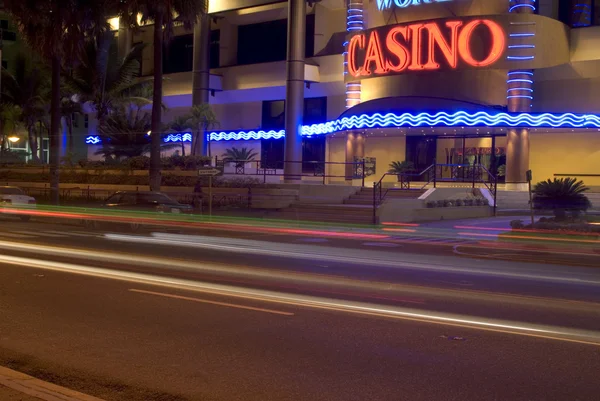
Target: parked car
[145, 201]
[14, 197]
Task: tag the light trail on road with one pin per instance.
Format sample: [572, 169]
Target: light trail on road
[307, 301]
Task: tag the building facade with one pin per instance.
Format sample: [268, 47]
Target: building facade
[508, 84]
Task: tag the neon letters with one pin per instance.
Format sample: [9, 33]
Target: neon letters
[386, 4]
[425, 46]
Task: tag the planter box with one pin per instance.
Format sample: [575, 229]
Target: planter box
[451, 213]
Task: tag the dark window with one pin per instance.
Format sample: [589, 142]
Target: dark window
[4, 64]
[578, 13]
[9, 36]
[145, 199]
[315, 110]
[128, 199]
[215, 48]
[3, 24]
[273, 112]
[272, 153]
[179, 53]
[86, 121]
[75, 119]
[313, 153]
[141, 58]
[267, 41]
[273, 115]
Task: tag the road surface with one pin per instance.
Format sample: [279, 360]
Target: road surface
[172, 316]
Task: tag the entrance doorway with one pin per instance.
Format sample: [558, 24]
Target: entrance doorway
[421, 151]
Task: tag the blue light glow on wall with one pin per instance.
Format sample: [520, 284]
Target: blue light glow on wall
[386, 4]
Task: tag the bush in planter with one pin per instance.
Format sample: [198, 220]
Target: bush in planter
[431, 204]
[448, 203]
[440, 203]
[517, 224]
[561, 196]
[138, 163]
[459, 202]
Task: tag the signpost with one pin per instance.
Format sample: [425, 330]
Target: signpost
[529, 175]
[209, 172]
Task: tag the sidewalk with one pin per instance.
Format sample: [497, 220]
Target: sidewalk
[16, 386]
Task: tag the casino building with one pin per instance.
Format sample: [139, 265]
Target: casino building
[513, 85]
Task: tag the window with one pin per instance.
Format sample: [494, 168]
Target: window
[179, 53]
[272, 153]
[273, 112]
[3, 24]
[4, 64]
[146, 198]
[128, 199]
[75, 119]
[267, 41]
[215, 48]
[86, 121]
[273, 115]
[579, 13]
[313, 150]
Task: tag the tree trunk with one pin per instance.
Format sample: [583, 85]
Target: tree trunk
[33, 145]
[182, 148]
[155, 177]
[55, 130]
[197, 142]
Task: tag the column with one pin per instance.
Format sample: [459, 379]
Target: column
[124, 39]
[519, 97]
[294, 95]
[355, 147]
[201, 73]
[354, 23]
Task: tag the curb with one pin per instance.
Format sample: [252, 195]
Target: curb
[38, 388]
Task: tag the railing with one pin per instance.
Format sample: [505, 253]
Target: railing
[266, 169]
[465, 173]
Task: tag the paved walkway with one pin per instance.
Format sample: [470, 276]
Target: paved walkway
[16, 386]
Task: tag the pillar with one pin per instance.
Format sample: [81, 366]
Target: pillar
[519, 98]
[354, 23]
[294, 94]
[355, 147]
[201, 73]
[124, 39]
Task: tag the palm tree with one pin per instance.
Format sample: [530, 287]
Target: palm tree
[126, 132]
[561, 195]
[239, 156]
[180, 124]
[27, 88]
[68, 109]
[56, 29]
[203, 118]
[162, 13]
[103, 80]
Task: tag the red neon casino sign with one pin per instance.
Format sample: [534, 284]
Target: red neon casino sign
[425, 46]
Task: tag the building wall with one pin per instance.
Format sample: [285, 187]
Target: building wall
[565, 153]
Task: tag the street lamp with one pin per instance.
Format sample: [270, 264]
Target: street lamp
[14, 139]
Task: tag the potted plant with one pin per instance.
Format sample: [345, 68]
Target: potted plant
[239, 156]
[401, 168]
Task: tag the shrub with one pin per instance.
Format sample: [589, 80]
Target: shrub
[517, 224]
[138, 163]
[469, 202]
[459, 202]
[431, 204]
[561, 196]
[440, 203]
[448, 203]
[401, 167]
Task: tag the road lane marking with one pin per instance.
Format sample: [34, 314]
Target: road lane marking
[206, 301]
[579, 336]
[16, 235]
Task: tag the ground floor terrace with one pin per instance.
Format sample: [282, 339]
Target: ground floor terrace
[556, 145]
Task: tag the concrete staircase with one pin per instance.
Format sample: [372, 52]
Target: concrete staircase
[356, 209]
[365, 195]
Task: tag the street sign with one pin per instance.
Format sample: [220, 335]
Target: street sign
[209, 171]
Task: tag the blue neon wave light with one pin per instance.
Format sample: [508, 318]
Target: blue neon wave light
[441, 119]
[92, 140]
[182, 137]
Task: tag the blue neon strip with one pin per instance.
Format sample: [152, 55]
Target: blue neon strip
[92, 140]
[510, 10]
[184, 137]
[521, 35]
[520, 57]
[520, 72]
[519, 97]
[521, 46]
[458, 119]
[510, 81]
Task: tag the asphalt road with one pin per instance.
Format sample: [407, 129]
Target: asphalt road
[143, 317]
